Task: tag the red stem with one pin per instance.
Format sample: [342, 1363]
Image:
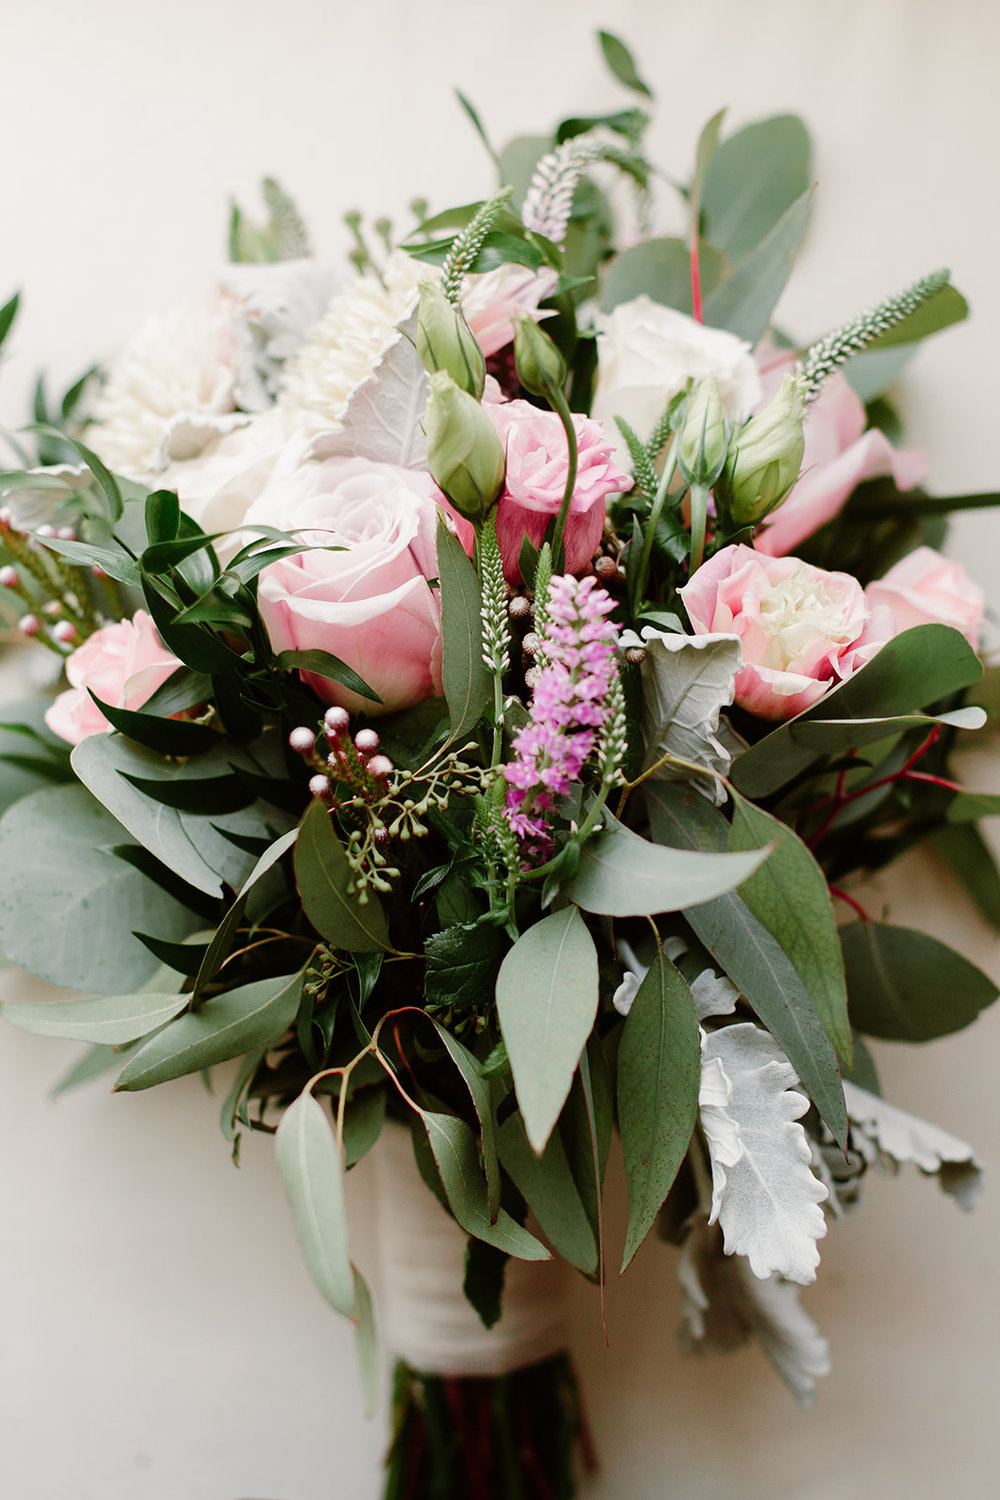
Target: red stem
[839, 895]
[839, 800]
[695, 280]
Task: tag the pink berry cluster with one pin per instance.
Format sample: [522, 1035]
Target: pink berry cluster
[355, 762]
[569, 707]
[57, 620]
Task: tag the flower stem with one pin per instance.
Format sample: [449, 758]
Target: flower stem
[655, 511]
[561, 407]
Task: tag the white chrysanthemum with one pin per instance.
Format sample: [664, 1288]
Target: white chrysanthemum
[180, 364]
[345, 344]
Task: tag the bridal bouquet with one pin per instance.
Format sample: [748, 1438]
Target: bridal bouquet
[487, 683]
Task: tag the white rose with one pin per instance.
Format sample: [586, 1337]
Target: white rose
[647, 353]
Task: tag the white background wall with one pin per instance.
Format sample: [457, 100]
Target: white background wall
[160, 1338]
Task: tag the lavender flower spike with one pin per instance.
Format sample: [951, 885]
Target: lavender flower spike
[570, 706]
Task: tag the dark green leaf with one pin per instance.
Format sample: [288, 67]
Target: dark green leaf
[225, 934]
[167, 736]
[478, 127]
[364, 1117]
[468, 686]
[112, 560]
[7, 315]
[241, 1020]
[457, 1160]
[325, 664]
[547, 1186]
[482, 1285]
[182, 690]
[905, 985]
[479, 1091]
[547, 995]
[659, 1075]
[323, 876]
[163, 516]
[105, 479]
[462, 964]
[974, 862]
[162, 556]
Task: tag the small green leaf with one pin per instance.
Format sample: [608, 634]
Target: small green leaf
[462, 963]
[457, 1159]
[325, 664]
[241, 1020]
[659, 1076]
[323, 875]
[112, 1019]
[468, 687]
[365, 1342]
[312, 1173]
[547, 995]
[364, 1117]
[479, 1090]
[944, 308]
[790, 896]
[226, 932]
[7, 315]
[623, 875]
[166, 736]
[111, 560]
[905, 985]
[619, 59]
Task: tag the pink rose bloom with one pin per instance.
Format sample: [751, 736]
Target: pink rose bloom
[537, 470]
[493, 300]
[123, 663]
[926, 588]
[801, 629]
[839, 454]
[370, 604]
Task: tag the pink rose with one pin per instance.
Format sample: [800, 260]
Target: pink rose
[537, 470]
[123, 663]
[370, 604]
[839, 454]
[801, 628]
[926, 588]
[493, 300]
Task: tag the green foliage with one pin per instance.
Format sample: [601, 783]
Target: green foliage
[744, 301]
[312, 1172]
[325, 880]
[468, 686]
[453, 1146]
[547, 1186]
[111, 1019]
[659, 1075]
[241, 1020]
[622, 64]
[282, 236]
[546, 1005]
[905, 985]
[754, 178]
[70, 914]
[479, 1090]
[661, 269]
[462, 965]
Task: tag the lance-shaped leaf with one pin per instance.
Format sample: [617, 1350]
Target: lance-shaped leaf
[879, 1130]
[70, 913]
[479, 1090]
[659, 1073]
[744, 301]
[767, 1200]
[112, 1019]
[468, 686]
[547, 993]
[751, 957]
[725, 1304]
[241, 1020]
[366, 1342]
[789, 894]
[915, 668]
[907, 986]
[225, 933]
[312, 1172]
[324, 875]
[547, 1185]
[623, 875]
[457, 1159]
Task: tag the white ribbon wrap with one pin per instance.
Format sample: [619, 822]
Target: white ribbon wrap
[424, 1314]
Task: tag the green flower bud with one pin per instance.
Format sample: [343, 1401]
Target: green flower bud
[541, 368]
[765, 461]
[464, 453]
[446, 342]
[701, 450]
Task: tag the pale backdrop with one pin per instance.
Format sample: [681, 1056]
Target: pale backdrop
[160, 1338]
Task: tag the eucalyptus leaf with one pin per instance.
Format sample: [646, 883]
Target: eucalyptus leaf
[661, 269]
[743, 302]
[454, 1149]
[241, 1020]
[70, 913]
[312, 1173]
[547, 1186]
[659, 1074]
[468, 686]
[754, 178]
[111, 1019]
[547, 993]
[623, 875]
[907, 986]
[323, 875]
[479, 1090]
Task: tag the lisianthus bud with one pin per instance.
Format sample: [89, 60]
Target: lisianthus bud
[446, 342]
[764, 463]
[702, 444]
[464, 454]
[541, 368]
